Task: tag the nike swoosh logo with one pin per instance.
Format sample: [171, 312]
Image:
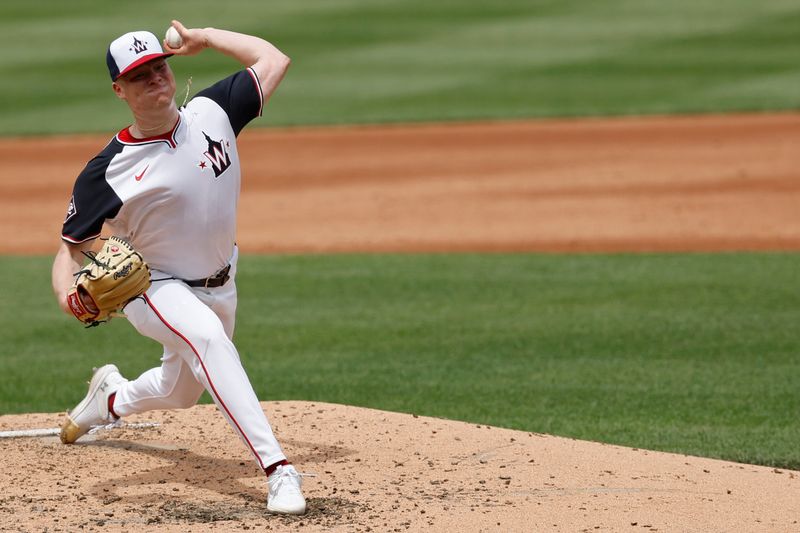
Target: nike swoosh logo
[139, 177]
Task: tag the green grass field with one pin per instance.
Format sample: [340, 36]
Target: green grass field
[357, 61]
[692, 353]
[689, 353]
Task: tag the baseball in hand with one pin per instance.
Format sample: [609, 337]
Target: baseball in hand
[173, 38]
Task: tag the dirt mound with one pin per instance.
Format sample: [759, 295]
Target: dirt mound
[374, 471]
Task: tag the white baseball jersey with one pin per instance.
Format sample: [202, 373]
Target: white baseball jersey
[173, 196]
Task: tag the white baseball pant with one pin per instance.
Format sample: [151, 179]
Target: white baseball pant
[195, 326]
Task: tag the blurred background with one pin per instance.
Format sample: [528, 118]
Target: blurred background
[376, 61]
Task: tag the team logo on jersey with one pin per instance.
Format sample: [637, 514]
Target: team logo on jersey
[71, 211]
[138, 46]
[217, 154]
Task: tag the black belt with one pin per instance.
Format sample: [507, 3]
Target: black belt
[217, 280]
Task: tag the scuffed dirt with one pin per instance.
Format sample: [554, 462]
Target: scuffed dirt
[375, 471]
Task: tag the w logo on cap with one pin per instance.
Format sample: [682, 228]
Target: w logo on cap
[130, 50]
[138, 46]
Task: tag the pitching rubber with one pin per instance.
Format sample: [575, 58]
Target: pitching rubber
[52, 432]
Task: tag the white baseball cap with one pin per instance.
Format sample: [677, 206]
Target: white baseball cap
[131, 50]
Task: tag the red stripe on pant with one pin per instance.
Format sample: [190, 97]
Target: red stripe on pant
[208, 377]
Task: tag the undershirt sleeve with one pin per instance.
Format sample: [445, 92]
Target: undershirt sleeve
[239, 95]
[93, 200]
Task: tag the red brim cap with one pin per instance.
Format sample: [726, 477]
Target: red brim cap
[139, 62]
[131, 50]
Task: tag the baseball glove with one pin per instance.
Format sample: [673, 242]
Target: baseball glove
[114, 276]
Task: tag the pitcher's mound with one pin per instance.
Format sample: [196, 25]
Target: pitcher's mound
[374, 471]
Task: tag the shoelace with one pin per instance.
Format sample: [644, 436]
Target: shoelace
[286, 474]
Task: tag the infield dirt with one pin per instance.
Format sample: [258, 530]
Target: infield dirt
[657, 184]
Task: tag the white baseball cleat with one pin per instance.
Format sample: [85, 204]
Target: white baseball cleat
[93, 410]
[285, 496]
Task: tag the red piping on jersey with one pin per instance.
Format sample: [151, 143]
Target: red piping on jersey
[76, 241]
[126, 137]
[258, 88]
[208, 377]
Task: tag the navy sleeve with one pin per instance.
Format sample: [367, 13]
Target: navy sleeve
[93, 200]
[239, 95]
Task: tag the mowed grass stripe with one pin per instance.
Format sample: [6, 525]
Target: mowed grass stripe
[689, 353]
[356, 61]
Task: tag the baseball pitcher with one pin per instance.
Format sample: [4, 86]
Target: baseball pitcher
[167, 188]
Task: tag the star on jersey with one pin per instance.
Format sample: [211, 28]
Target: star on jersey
[138, 46]
[217, 155]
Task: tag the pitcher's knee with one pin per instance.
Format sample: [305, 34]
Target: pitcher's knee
[184, 399]
[177, 386]
[205, 336]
